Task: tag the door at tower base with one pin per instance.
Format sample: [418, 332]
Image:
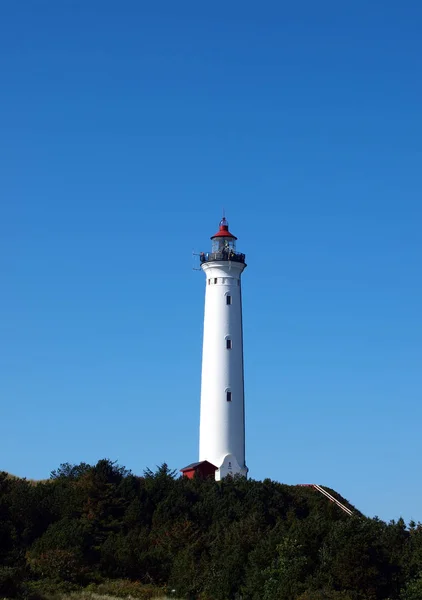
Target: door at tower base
[229, 468]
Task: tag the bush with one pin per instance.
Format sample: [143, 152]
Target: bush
[46, 589]
[9, 582]
[123, 588]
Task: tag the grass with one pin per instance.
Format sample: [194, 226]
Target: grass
[30, 481]
[95, 596]
[112, 589]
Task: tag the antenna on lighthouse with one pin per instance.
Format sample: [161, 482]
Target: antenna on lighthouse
[195, 261]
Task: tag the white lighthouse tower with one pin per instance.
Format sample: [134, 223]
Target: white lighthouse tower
[222, 424]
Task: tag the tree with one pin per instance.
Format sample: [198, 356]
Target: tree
[413, 589]
[286, 576]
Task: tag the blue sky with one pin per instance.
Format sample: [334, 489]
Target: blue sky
[125, 128]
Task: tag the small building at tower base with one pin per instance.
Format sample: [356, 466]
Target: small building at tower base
[202, 469]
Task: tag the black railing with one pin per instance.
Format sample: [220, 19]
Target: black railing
[224, 255]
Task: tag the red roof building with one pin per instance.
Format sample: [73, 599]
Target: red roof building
[203, 469]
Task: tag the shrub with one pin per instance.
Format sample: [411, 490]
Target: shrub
[123, 588]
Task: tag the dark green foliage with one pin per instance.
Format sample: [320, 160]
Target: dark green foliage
[9, 582]
[101, 526]
[413, 590]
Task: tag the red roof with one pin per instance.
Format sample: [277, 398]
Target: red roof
[196, 465]
[203, 469]
[224, 230]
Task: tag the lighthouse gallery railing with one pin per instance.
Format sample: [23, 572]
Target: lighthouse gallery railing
[233, 256]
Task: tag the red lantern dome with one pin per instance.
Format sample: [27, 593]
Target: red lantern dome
[224, 230]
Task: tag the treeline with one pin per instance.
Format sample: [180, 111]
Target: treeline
[237, 539]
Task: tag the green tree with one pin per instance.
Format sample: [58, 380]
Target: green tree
[354, 558]
[286, 576]
[413, 589]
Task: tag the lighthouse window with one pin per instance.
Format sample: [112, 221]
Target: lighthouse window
[215, 279]
[228, 396]
[228, 299]
[228, 344]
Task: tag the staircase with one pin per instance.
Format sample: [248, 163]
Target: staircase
[329, 496]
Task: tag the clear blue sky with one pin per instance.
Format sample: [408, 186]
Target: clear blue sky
[125, 128]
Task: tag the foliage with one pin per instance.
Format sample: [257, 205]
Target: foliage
[121, 535]
[127, 589]
[413, 589]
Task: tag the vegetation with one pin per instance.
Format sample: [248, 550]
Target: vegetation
[106, 531]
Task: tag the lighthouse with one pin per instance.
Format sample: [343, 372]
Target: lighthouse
[222, 419]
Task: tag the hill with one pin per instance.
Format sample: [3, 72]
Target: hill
[31, 481]
[101, 527]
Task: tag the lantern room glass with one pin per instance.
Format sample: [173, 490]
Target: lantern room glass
[221, 242]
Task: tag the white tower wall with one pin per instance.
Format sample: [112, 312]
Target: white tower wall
[222, 422]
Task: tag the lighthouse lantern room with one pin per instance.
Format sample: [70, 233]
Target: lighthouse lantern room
[222, 419]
